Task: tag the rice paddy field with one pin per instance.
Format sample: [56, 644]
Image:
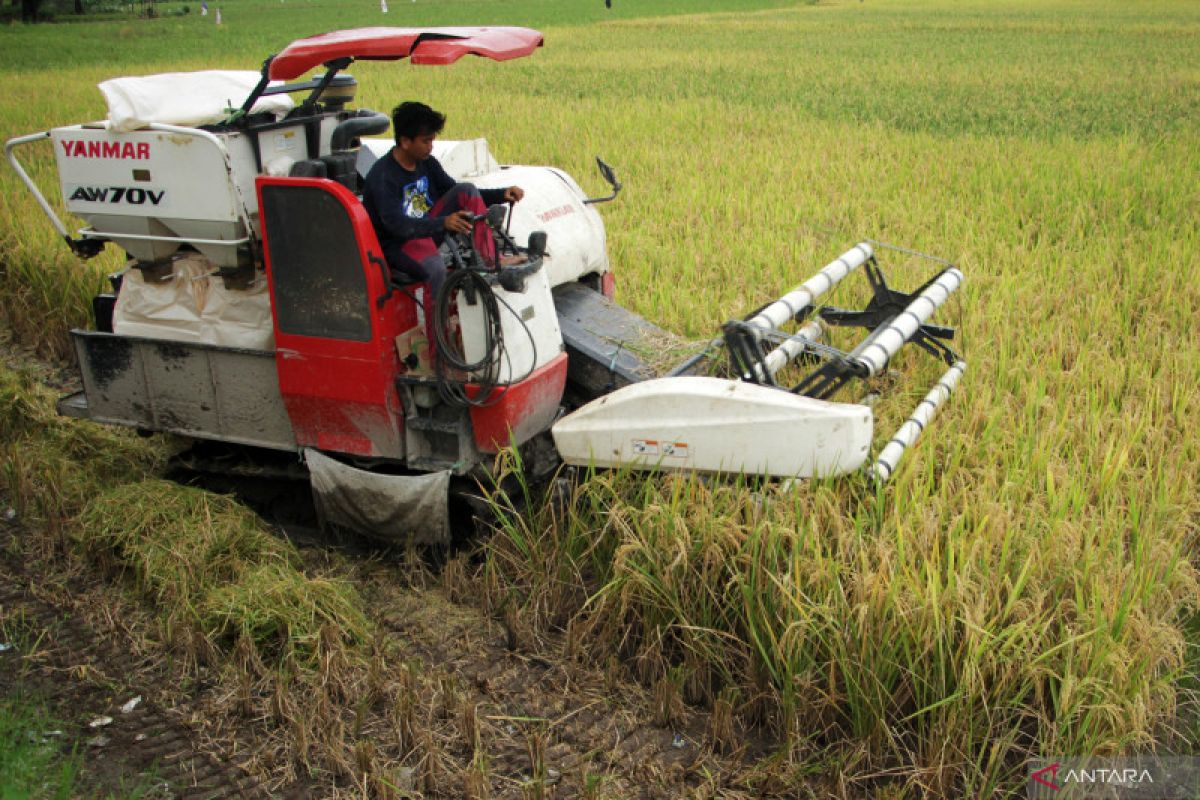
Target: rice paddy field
[1026, 586]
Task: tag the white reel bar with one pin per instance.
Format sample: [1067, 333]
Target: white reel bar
[906, 435]
[875, 353]
[785, 308]
[790, 348]
[777, 314]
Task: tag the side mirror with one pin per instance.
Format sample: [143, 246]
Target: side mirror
[609, 175]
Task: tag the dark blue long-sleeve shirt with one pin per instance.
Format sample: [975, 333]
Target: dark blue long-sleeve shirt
[399, 200]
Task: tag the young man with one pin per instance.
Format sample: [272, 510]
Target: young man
[413, 203]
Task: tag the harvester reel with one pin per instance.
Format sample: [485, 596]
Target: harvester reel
[722, 425]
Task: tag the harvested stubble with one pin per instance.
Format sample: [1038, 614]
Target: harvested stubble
[203, 558]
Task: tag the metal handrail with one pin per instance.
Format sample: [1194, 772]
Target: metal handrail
[9, 147]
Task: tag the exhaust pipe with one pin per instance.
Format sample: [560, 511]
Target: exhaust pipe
[365, 123]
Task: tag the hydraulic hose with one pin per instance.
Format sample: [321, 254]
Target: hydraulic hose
[449, 356]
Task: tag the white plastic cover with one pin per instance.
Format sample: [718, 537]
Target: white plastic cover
[462, 159]
[465, 159]
[184, 98]
[714, 425]
[554, 203]
[193, 305]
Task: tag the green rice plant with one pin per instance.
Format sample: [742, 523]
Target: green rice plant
[949, 651]
[37, 766]
[537, 558]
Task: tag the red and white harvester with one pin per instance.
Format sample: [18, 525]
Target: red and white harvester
[256, 308]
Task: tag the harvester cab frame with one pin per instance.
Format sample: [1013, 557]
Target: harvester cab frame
[257, 311]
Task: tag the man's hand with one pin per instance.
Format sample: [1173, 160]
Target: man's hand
[513, 194]
[458, 222]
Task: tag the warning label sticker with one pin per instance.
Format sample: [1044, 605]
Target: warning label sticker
[654, 447]
[645, 447]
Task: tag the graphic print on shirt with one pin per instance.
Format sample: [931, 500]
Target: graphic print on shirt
[417, 201]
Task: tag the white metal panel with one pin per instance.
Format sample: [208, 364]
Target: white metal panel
[529, 323]
[178, 183]
[191, 389]
[142, 173]
[716, 425]
[554, 203]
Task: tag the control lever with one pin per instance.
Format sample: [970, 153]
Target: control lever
[513, 278]
[494, 216]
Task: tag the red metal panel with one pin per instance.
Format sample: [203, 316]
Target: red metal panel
[608, 285]
[341, 395]
[422, 45]
[521, 411]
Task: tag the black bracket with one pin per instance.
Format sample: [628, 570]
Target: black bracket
[84, 247]
[747, 355]
[747, 351]
[886, 304]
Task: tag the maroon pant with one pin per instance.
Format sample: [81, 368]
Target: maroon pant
[420, 259]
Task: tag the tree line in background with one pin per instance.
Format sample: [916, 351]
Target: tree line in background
[32, 11]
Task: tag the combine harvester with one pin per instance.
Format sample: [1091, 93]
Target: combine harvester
[256, 309]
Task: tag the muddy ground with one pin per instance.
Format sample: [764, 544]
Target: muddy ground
[545, 726]
[452, 704]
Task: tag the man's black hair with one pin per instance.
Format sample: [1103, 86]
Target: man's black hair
[412, 119]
